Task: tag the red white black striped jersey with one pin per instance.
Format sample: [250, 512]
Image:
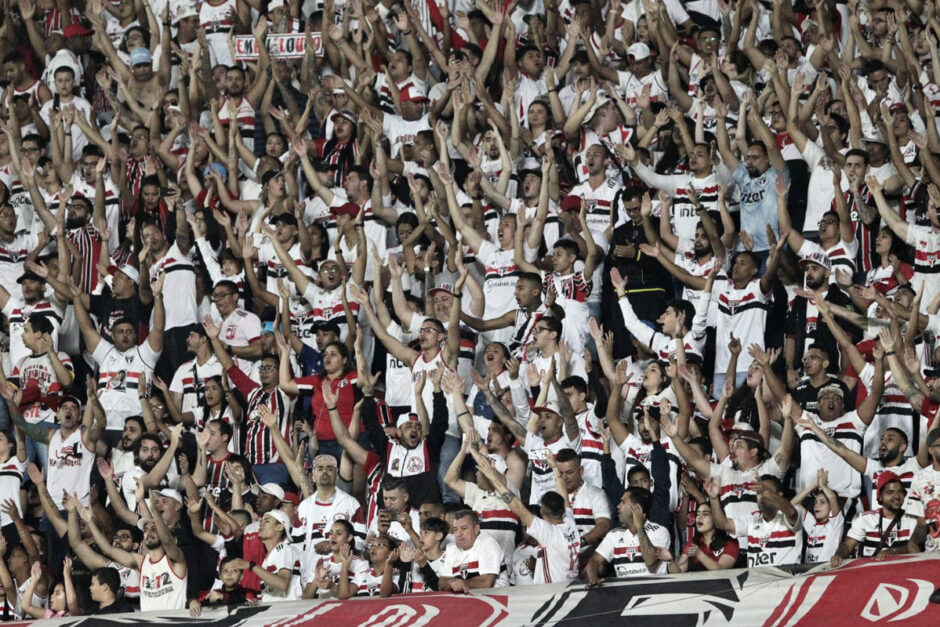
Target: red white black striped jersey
[639, 453]
[11, 478]
[588, 504]
[485, 557]
[870, 528]
[814, 455]
[317, 516]
[822, 537]
[258, 447]
[190, 381]
[13, 258]
[926, 243]
[742, 312]
[244, 118]
[905, 471]
[621, 548]
[217, 484]
[600, 202]
[771, 543]
[496, 518]
[738, 496]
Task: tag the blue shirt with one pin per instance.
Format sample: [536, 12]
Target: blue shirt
[758, 203]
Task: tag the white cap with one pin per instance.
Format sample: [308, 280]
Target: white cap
[406, 418]
[601, 100]
[273, 489]
[638, 51]
[275, 4]
[170, 493]
[184, 11]
[282, 518]
[551, 406]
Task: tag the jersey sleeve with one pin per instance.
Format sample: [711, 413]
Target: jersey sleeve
[490, 557]
[606, 548]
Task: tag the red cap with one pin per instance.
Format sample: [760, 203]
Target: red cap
[292, 497]
[350, 209]
[412, 93]
[76, 30]
[884, 479]
[571, 203]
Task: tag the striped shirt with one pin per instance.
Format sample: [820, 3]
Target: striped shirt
[870, 527]
[259, 447]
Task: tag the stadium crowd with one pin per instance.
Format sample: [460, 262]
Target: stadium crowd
[310, 299]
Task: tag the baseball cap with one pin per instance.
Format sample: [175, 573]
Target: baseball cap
[638, 51]
[602, 99]
[447, 288]
[551, 406]
[413, 93]
[282, 518]
[275, 4]
[406, 418]
[747, 434]
[830, 389]
[267, 326]
[884, 479]
[216, 167]
[127, 270]
[345, 113]
[350, 209]
[170, 493]
[269, 175]
[874, 137]
[274, 490]
[184, 11]
[29, 275]
[141, 56]
[76, 29]
[327, 326]
[292, 497]
[68, 398]
[819, 258]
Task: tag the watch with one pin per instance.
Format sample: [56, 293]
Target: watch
[507, 497]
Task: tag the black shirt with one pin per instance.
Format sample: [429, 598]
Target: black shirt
[106, 309]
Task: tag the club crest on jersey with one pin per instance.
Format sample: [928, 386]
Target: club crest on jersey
[414, 465]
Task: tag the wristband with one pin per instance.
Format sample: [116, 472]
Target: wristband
[251, 565]
[463, 413]
[406, 32]
[330, 409]
[888, 353]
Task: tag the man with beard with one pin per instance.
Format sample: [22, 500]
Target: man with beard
[123, 457]
[213, 455]
[630, 551]
[742, 459]
[590, 505]
[152, 465]
[163, 582]
[754, 175]
[880, 532]
[804, 327]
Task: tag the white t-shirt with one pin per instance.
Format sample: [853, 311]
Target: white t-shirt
[485, 557]
[621, 548]
[119, 378]
[559, 548]
[923, 499]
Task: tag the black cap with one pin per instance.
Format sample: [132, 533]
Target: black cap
[29, 275]
[198, 329]
[285, 217]
[270, 174]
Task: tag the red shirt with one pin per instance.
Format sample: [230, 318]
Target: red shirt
[730, 548]
[343, 387]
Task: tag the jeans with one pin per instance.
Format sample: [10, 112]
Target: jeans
[449, 451]
[271, 473]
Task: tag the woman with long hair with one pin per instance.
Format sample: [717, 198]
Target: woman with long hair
[334, 575]
[711, 548]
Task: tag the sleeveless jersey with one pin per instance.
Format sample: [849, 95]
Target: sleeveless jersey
[160, 587]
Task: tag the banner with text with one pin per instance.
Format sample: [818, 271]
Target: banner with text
[280, 46]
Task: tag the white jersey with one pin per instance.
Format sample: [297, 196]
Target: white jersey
[119, 379]
[190, 381]
[926, 243]
[822, 538]
[499, 278]
[13, 257]
[923, 500]
[69, 467]
[11, 478]
[282, 556]
[742, 312]
[161, 589]
[738, 497]
[180, 286]
[639, 453]
[543, 480]
[399, 387]
[240, 329]
[558, 550]
[814, 455]
[587, 506]
[773, 542]
[873, 531]
[485, 557]
[621, 548]
[496, 518]
[217, 20]
[317, 517]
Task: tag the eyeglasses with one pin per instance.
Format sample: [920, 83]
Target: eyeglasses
[123, 537]
[540, 329]
[330, 270]
[424, 330]
[220, 296]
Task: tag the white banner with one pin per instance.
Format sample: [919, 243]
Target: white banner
[894, 591]
[280, 46]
